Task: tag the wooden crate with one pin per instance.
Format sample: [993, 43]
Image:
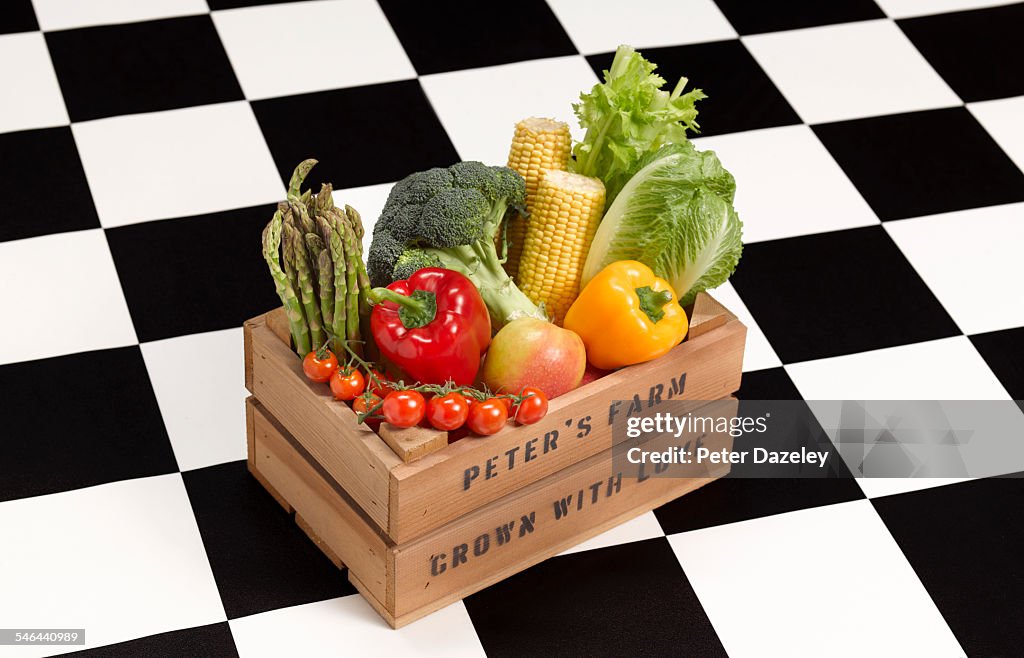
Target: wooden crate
[405, 580]
[421, 523]
[410, 482]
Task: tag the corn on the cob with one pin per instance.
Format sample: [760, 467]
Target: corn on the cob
[537, 145]
[565, 215]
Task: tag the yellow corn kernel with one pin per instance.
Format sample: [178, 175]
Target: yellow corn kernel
[537, 145]
[565, 215]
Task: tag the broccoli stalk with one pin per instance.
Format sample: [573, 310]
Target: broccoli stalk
[452, 218]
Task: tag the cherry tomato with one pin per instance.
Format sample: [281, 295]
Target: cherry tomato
[319, 366]
[533, 407]
[360, 406]
[447, 412]
[382, 387]
[487, 417]
[403, 408]
[347, 384]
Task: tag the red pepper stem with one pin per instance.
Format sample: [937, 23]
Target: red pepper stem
[418, 309]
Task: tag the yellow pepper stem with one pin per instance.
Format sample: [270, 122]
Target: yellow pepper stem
[653, 303]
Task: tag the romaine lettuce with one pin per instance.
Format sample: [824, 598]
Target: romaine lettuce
[675, 215]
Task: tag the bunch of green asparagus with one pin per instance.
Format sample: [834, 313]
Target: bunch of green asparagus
[323, 282]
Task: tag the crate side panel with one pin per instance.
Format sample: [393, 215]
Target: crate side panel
[531, 525]
[353, 455]
[475, 471]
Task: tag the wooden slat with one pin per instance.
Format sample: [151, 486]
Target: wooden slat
[412, 443]
[323, 511]
[712, 365]
[422, 583]
[350, 452]
[707, 316]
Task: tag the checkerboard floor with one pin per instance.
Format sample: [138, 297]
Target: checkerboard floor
[879, 153]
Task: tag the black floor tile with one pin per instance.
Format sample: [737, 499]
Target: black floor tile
[187, 276]
[111, 70]
[37, 166]
[923, 163]
[361, 136]
[234, 4]
[1003, 351]
[837, 293]
[768, 384]
[260, 558]
[18, 16]
[965, 542]
[80, 420]
[213, 640]
[977, 52]
[753, 17]
[740, 96]
[448, 35]
[626, 600]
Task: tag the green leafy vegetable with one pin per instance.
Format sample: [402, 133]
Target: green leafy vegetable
[629, 116]
[675, 215]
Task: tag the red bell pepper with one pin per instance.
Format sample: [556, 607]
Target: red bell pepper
[433, 325]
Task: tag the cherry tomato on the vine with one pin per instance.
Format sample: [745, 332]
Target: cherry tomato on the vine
[487, 417]
[403, 408]
[364, 403]
[447, 412]
[382, 386]
[533, 407]
[320, 365]
[347, 384]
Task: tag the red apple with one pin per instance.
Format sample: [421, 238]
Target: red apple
[592, 374]
[532, 352]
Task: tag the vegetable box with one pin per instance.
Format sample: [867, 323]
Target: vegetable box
[421, 523]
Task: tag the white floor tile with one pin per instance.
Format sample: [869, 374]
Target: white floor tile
[758, 352]
[946, 369]
[827, 581]
[643, 527]
[788, 184]
[122, 561]
[31, 96]
[479, 113]
[348, 626]
[177, 163]
[906, 8]
[293, 48]
[62, 296]
[198, 385]
[846, 80]
[971, 261]
[64, 14]
[602, 26]
[1002, 119]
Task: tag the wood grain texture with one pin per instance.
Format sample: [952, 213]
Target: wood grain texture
[408, 581]
[352, 453]
[412, 443]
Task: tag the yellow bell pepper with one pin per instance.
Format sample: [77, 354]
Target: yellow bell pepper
[626, 315]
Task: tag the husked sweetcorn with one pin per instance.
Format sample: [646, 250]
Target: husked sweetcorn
[537, 145]
[566, 212]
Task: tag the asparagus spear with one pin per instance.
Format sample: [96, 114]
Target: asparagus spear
[324, 200]
[299, 175]
[353, 259]
[288, 248]
[337, 248]
[285, 290]
[325, 273]
[310, 304]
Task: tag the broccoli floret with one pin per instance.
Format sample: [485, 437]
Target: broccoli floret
[451, 218]
[412, 260]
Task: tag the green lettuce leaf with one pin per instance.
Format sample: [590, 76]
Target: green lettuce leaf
[675, 215]
[629, 116]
